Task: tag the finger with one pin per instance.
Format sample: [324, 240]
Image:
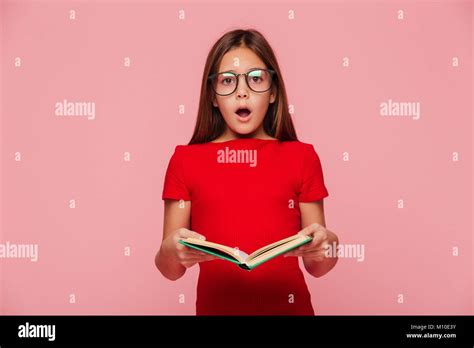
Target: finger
[193, 256]
[309, 253]
[309, 247]
[317, 232]
[293, 253]
[305, 246]
[198, 236]
[190, 260]
[310, 229]
[195, 252]
[181, 247]
[208, 258]
[320, 235]
[189, 250]
[185, 233]
[318, 247]
[299, 250]
[313, 255]
[197, 259]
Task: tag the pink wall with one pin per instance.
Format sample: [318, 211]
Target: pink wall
[407, 251]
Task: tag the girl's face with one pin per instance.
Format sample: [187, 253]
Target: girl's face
[241, 60]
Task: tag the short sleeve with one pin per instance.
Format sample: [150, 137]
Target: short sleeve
[312, 183]
[174, 185]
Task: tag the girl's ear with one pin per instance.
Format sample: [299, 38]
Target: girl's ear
[273, 95]
[214, 102]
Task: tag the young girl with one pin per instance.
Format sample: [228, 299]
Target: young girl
[271, 190]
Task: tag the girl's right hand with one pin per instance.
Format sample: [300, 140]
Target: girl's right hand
[185, 255]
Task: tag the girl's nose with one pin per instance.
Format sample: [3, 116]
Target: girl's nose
[242, 94]
[242, 91]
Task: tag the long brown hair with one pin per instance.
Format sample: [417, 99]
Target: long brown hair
[210, 124]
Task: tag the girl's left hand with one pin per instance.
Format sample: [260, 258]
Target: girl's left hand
[316, 249]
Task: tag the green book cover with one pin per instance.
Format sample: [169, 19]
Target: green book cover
[242, 259]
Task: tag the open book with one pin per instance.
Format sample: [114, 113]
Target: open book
[242, 259]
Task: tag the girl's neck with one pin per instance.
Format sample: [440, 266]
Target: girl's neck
[222, 140]
[229, 137]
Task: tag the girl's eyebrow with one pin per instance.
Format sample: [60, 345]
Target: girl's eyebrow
[236, 71]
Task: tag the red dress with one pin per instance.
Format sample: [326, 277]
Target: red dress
[247, 199]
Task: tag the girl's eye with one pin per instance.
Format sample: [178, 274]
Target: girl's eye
[257, 76]
[226, 80]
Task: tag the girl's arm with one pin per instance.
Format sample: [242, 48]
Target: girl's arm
[311, 213]
[174, 258]
[176, 215]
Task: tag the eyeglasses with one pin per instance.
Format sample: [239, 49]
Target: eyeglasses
[226, 83]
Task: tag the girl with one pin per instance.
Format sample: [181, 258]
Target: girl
[272, 190]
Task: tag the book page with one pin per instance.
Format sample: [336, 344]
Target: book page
[279, 249]
[243, 255]
[273, 245]
[239, 255]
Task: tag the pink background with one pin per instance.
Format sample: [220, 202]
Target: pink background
[118, 203]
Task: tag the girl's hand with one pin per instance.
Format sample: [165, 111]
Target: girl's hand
[183, 254]
[316, 249]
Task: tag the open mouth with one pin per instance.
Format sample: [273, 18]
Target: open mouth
[243, 112]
